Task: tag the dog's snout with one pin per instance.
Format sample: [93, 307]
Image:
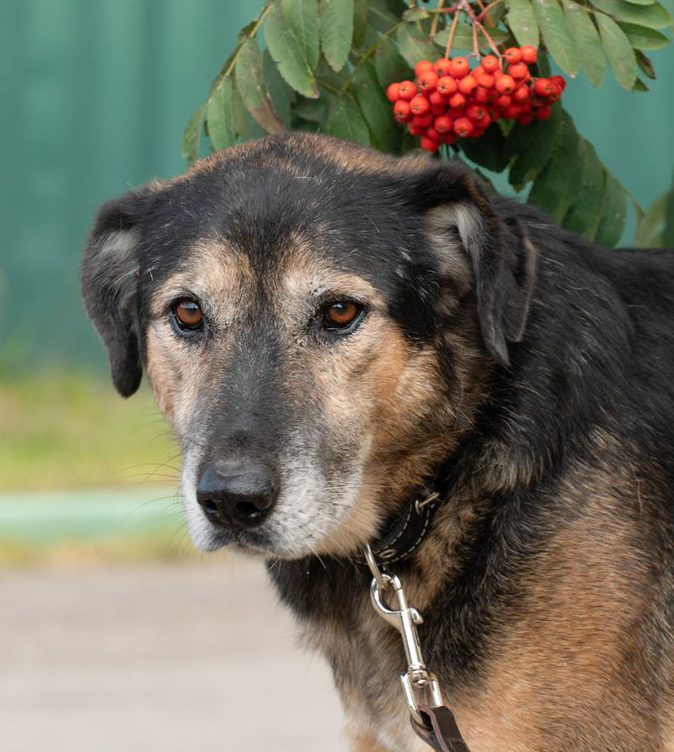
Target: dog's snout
[236, 495]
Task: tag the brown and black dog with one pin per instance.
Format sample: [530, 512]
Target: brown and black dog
[328, 330]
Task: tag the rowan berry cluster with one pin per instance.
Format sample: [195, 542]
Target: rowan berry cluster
[448, 100]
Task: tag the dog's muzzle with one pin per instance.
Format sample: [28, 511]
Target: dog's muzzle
[236, 495]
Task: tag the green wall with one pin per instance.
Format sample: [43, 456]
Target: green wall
[95, 94]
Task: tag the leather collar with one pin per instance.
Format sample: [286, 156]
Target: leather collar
[407, 531]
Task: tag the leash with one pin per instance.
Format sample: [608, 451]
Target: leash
[431, 719]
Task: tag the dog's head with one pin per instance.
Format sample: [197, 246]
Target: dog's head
[316, 321]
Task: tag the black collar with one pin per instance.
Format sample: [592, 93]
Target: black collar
[409, 528]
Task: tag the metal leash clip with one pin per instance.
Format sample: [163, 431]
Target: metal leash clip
[420, 685]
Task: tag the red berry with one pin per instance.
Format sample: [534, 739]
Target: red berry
[438, 109]
[446, 85]
[544, 87]
[529, 54]
[444, 124]
[437, 99]
[463, 127]
[467, 85]
[518, 70]
[419, 105]
[522, 95]
[504, 101]
[481, 95]
[475, 112]
[513, 111]
[457, 100]
[429, 144]
[427, 80]
[423, 65]
[417, 130]
[485, 80]
[450, 138]
[392, 92]
[407, 90]
[543, 113]
[423, 121]
[490, 64]
[560, 81]
[525, 119]
[401, 110]
[457, 112]
[442, 66]
[513, 54]
[434, 134]
[505, 84]
[459, 67]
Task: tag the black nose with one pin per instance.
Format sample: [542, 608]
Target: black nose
[236, 494]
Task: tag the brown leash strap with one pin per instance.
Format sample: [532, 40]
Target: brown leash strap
[441, 732]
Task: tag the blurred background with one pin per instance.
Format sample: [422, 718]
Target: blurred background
[114, 634]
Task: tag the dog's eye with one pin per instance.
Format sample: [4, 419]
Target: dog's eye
[188, 315]
[341, 315]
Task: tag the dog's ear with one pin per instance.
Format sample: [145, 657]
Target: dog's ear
[501, 261]
[110, 283]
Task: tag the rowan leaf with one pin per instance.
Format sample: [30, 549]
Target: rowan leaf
[522, 21]
[282, 95]
[643, 38]
[555, 186]
[613, 213]
[413, 46]
[590, 51]
[301, 16]
[289, 54]
[192, 135]
[337, 31]
[641, 2]
[618, 51]
[668, 236]
[345, 120]
[488, 151]
[651, 227]
[654, 16]
[389, 63]
[249, 74]
[556, 34]
[584, 213]
[533, 145]
[360, 15]
[220, 117]
[377, 110]
[646, 64]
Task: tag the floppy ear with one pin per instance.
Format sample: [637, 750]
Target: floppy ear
[501, 259]
[110, 283]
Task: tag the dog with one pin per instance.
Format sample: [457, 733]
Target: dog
[332, 333]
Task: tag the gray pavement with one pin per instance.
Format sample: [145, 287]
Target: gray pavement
[160, 658]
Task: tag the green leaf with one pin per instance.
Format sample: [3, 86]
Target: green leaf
[289, 54]
[463, 37]
[651, 226]
[618, 51]
[534, 144]
[314, 110]
[590, 52]
[301, 16]
[488, 150]
[220, 117]
[613, 213]
[281, 94]
[245, 125]
[645, 64]
[337, 31]
[641, 2]
[415, 14]
[522, 20]
[555, 186]
[345, 120]
[192, 135]
[413, 46]
[653, 16]
[390, 64]
[639, 85]
[668, 237]
[643, 38]
[583, 215]
[359, 21]
[557, 35]
[377, 110]
[249, 73]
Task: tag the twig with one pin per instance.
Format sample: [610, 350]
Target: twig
[436, 20]
[452, 32]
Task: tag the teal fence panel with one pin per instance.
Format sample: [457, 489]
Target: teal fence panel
[94, 99]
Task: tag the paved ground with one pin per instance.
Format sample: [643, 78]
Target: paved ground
[161, 658]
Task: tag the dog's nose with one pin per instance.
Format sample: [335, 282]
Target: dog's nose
[238, 495]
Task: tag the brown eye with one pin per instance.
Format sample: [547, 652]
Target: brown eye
[342, 314]
[188, 315]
